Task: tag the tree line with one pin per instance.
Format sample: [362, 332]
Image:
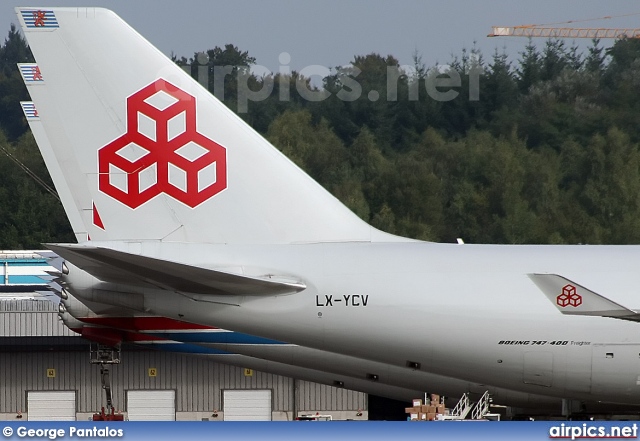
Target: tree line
[546, 150]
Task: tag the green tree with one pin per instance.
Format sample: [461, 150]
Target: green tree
[29, 215]
[595, 60]
[12, 89]
[318, 151]
[529, 71]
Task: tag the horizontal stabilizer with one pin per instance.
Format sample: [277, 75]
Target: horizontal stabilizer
[119, 267]
[571, 298]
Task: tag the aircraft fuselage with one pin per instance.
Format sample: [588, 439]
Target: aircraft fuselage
[465, 311]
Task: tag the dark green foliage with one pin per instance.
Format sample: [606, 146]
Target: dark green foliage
[541, 149]
[29, 215]
[12, 88]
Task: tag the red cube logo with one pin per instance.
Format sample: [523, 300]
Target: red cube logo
[569, 297]
[162, 152]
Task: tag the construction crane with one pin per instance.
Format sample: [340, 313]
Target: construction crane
[550, 31]
[537, 31]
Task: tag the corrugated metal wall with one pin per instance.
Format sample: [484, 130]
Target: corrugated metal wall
[25, 305]
[198, 382]
[31, 318]
[312, 396]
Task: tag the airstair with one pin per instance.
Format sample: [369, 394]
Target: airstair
[461, 410]
[479, 411]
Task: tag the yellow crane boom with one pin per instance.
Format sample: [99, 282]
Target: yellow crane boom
[563, 32]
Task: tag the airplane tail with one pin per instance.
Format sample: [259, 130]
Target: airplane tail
[143, 152]
[55, 171]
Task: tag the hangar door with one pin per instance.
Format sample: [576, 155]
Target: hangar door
[247, 405]
[51, 406]
[151, 405]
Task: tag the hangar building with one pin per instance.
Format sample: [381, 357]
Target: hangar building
[46, 373]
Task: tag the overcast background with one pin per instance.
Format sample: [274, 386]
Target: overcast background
[331, 32]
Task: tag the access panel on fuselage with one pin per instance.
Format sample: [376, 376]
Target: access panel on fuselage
[616, 370]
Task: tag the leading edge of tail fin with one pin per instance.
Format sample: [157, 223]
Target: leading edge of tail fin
[57, 176]
[149, 154]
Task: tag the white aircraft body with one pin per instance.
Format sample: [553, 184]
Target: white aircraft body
[195, 217]
[128, 331]
[111, 323]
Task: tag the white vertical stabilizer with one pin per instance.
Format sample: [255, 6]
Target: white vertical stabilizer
[149, 154]
[58, 178]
